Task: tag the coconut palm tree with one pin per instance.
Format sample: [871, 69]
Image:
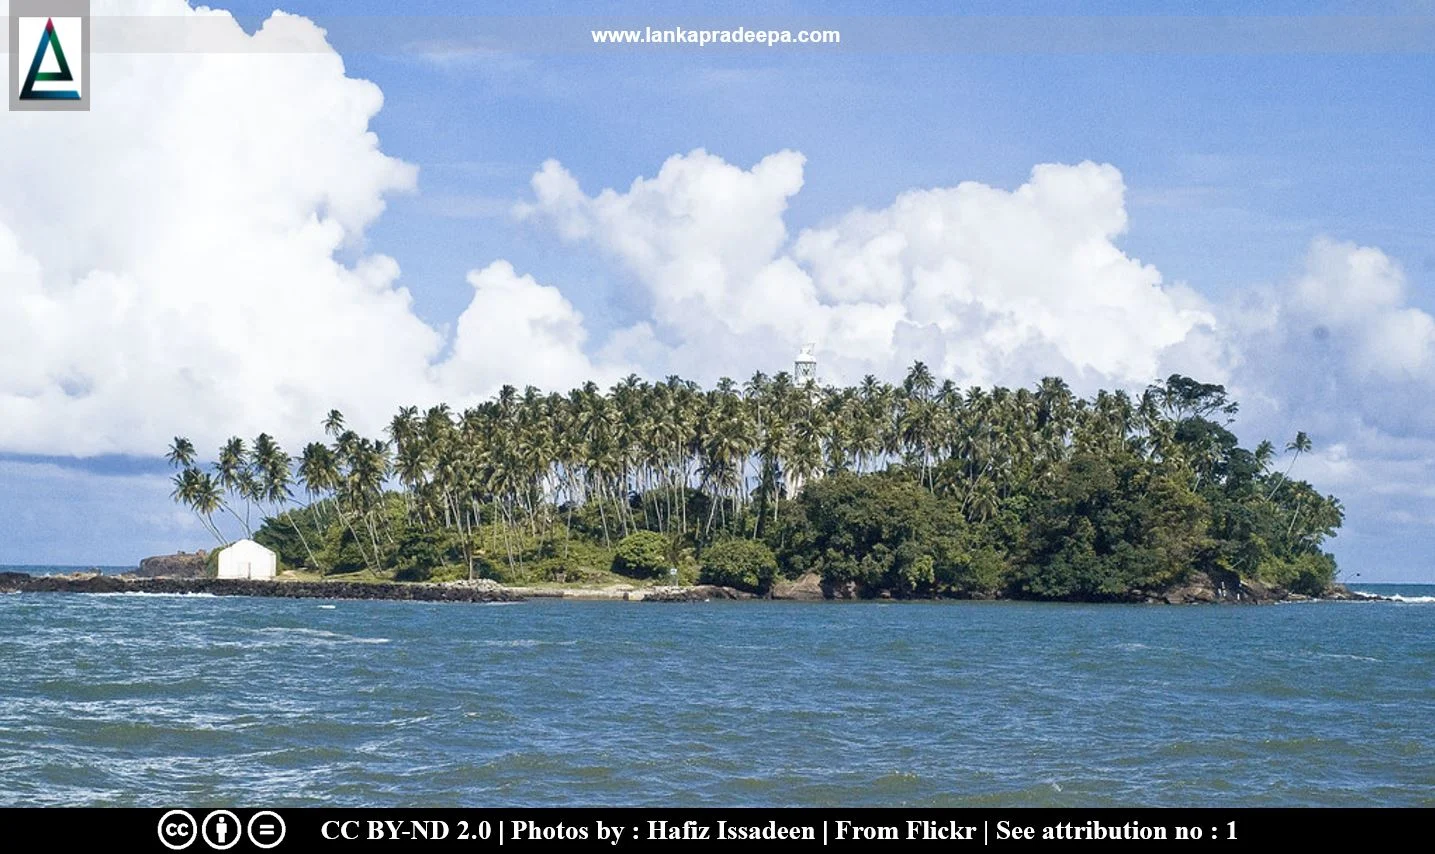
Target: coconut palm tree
[1300, 445]
[181, 453]
[198, 491]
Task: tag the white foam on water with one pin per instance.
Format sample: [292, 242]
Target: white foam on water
[318, 636]
[1396, 597]
[327, 607]
[158, 595]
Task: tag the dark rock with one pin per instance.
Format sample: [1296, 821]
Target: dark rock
[178, 565]
[695, 593]
[1214, 586]
[1341, 593]
[11, 581]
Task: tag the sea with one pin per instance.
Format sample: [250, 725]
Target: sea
[157, 700]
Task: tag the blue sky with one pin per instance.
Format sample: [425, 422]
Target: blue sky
[1232, 165]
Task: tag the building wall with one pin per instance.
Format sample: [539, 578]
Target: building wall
[247, 559]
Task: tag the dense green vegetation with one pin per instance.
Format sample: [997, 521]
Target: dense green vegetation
[744, 564]
[914, 489]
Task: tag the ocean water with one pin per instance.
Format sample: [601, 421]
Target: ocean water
[50, 569]
[165, 700]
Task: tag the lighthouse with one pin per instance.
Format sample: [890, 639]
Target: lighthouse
[804, 367]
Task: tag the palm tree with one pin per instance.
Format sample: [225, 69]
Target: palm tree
[274, 477]
[198, 491]
[233, 476]
[334, 423]
[1300, 444]
[1263, 454]
[181, 453]
[919, 382]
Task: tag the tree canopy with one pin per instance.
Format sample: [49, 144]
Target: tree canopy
[914, 488]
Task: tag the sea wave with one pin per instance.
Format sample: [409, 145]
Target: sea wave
[1413, 600]
[318, 636]
[1346, 656]
[157, 595]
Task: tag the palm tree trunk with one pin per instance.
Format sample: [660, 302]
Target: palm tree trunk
[308, 551]
[1285, 474]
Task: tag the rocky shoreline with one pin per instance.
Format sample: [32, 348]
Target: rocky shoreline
[19, 582]
[1199, 588]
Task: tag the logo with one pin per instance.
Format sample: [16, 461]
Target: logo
[177, 830]
[49, 54]
[221, 830]
[266, 829]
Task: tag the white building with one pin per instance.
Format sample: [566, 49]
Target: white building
[247, 559]
[804, 367]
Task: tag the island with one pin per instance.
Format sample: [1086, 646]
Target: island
[778, 488]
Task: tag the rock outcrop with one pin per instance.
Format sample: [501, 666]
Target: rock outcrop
[177, 565]
[1227, 587]
[695, 593]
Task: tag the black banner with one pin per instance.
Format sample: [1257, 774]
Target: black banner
[208, 829]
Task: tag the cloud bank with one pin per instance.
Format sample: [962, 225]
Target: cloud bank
[984, 284]
[189, 257]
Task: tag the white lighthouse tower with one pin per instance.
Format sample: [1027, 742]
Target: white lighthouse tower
[804, 367]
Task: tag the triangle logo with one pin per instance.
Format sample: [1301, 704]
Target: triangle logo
[49, 41]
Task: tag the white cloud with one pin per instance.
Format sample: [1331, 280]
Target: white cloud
[518, 332]
[985, 284]
[169, 261]
[1359, 293]
[1340, 342]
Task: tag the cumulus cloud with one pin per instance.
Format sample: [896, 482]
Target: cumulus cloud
[171, 261]
[518, 332]
[983, 283]
[1340, 343]
[1359, 294]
